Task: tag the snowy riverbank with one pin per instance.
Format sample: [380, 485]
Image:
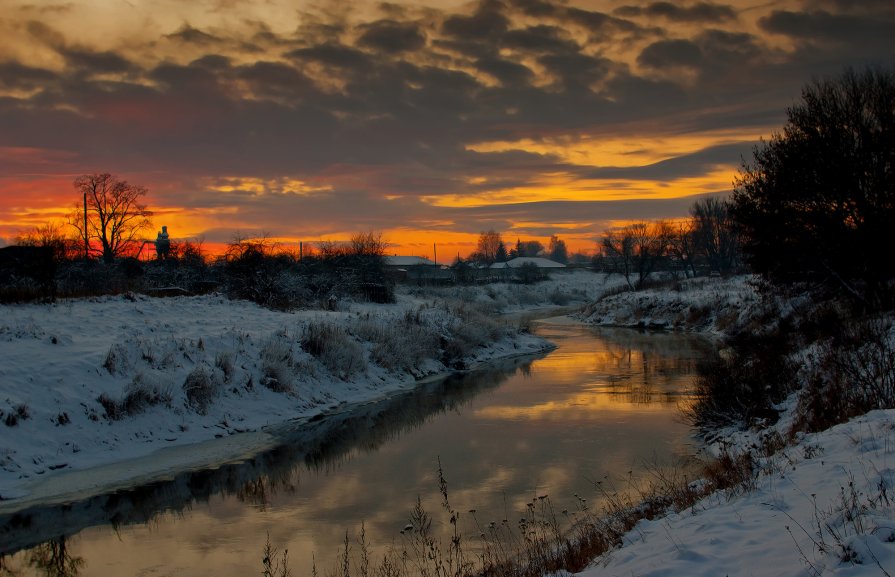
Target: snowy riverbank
[824, 505]
[98, 393]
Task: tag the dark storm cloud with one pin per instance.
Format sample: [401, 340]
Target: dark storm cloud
[537, 8]
[16, 75]
[489, 21]
[45, 34]
[95, 62]
[683, 166]
[334, 55]
[575, 211]
[189, 35]
[540, 39]
[277, 80]
[576, 71]
[670, 53]
[821, 27]
[391, 36]
[508, 73]
[699, 12]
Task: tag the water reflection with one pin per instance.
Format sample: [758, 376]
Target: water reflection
[599, 404]
[320, 446]
[54, 559]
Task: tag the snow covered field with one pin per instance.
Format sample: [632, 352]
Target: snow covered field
[102, 392]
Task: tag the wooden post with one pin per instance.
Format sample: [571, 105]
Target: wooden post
[86, 236]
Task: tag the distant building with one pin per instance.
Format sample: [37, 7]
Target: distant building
[525, 269]
[520, 261]
[417, 269]
[406, 261]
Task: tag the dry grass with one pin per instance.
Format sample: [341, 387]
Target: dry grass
[545, 539]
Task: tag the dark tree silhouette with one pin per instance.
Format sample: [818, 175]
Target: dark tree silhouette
[817, 202]
[714, 234]
[558, 250]
[486, 250]
[115, 217]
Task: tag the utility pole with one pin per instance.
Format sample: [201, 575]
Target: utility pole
[435, 254]
[86, 236]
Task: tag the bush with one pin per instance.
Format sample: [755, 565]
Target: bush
[19, 412]
[744, 383]
[277, 365]
[855, 374]
[399, 346]
[818, 201]
[139, 394]
[334, 348]
[200, 388]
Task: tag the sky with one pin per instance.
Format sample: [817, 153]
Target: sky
[428, 122]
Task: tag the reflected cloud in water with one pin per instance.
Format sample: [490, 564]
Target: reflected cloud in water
[598, 405]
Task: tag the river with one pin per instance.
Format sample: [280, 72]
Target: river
[604, 405]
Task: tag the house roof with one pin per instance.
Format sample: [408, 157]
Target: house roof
[538, 261]
[407, 261]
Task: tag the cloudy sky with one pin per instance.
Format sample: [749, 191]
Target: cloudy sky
[426, 121]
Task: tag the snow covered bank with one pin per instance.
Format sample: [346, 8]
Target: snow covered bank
[821, 506]
[705, 304]
[825, 506]
[114, 380]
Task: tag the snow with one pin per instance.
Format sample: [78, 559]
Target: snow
[706, 304]
[57, 441]
[824, 506]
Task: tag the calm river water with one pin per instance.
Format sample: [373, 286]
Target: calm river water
[603, 403]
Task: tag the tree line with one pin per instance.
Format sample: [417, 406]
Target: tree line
[706, 243]
[491, 248]
[814, 207]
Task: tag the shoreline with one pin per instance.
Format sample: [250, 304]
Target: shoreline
[63, 485]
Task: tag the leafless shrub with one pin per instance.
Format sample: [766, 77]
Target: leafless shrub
[855, 374]
[200, 388]
[19, 412]
[559, 297]
[334, 348]
[141, 393]
[277, 364]
[116, 359]
[399, 346]
[224, 361]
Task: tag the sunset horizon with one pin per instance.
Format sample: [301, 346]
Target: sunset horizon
[428, 123]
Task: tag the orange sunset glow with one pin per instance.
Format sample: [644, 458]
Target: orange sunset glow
[426, 121]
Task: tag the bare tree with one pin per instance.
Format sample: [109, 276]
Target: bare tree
[636, 250]
[682, 248]
[368, 244]
[715, 234]
[488, 246]
[114, 215]
[558, 250]
[50, 234]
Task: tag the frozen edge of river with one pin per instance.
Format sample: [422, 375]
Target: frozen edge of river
[65, 486]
